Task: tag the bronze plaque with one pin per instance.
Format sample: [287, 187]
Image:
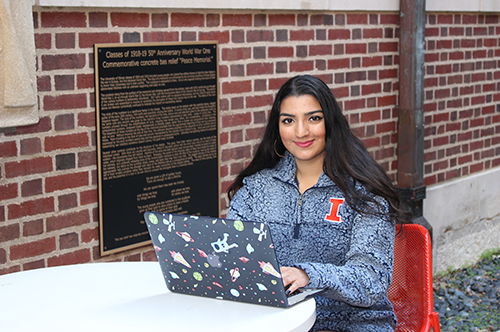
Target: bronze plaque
[157, 136]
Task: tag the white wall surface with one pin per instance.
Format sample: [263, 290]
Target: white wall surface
[465, 216]
[335, 5]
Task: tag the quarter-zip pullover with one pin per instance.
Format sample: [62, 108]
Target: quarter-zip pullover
[348, 253]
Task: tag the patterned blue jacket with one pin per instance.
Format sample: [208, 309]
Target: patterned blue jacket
[348, 253]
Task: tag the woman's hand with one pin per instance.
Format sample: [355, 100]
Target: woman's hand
[294, 277]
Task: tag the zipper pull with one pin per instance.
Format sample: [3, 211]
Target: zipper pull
[300, 199]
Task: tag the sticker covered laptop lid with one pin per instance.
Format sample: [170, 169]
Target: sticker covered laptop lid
[218, 258]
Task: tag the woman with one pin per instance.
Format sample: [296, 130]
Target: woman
[330, 207]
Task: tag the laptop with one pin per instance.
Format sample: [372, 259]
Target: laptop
[220, 258]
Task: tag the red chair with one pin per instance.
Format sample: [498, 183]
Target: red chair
[411, 289]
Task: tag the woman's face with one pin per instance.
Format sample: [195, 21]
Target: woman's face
[302, 127]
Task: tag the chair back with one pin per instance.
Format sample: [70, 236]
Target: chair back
[411, 290]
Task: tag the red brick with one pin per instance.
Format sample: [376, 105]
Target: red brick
[236, 87]
[469, 19]
[259, 35]
[388, 73]
[87, 40]
[300, 66]
[130, 20]
[31, 188]
[98, 20]
[445, 19]
[357, 19]
[336, 34]
[187, 20]
[43, 83]
[339, 63]
[320, 50]
[236, 120]
[63, 61]
[221, 36]
[355, 48]
[63, 20]
[280, 52]
[66, 181]
[8, 149]
[89, 235]
[281, 19]
[53, 143]
[386, 127]
[9, 232]
[31, 208]
[370, 116]
[388, 47]
[2, 213]
[88, 197]
[67, 220]
[386, 101]
[301, 35]
[161, 36]
[76, 257]
[467, 43]
[372, 61]
[477, 100]
[32, 249]
[236, 153]
[431, 32]
[354, 104]
[371, 89]
[28, 167]
[259, 101]
[444, 44]
[238, 20]
[254, 133]
[3, 258]
[490, 42]
[373, 33]
[34, 227]
[65, 40]
[85, 81]
[43, 41]
[234, 54]
[389, 19]
[259, 69]
[341, 92]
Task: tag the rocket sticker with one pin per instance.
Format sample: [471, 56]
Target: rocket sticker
[178, 258]
[269, 269]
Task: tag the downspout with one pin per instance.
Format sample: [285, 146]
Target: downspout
[411, 108]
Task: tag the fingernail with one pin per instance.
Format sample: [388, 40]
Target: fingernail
[288, 292]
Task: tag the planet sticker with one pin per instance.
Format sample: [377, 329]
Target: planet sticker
[197, 276]
[153, 218]
[234, 292]
[238, 225]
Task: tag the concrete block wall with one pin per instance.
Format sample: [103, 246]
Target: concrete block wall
[48, 173]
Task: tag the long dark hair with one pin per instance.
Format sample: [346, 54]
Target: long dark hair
[347, 160]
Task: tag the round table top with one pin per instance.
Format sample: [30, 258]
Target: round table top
[128, 296]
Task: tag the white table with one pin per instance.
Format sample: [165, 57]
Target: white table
[129, 296]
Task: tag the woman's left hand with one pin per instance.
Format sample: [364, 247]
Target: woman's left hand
[294, 277]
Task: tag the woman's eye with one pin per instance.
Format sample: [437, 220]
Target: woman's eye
[315, 118]
[287, 121]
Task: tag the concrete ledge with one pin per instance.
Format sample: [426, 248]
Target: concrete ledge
[465, 216]
[335, 5]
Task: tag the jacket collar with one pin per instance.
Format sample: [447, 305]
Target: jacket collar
[286, 171]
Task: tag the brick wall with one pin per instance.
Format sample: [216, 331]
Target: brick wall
[462, 95]
[48, 190]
